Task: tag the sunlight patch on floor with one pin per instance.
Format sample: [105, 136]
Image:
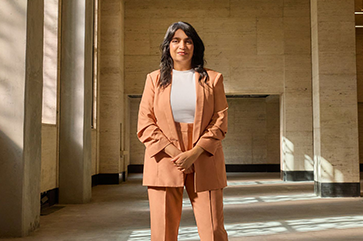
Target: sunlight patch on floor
[266, 228]
[268, 199]
[249, 183]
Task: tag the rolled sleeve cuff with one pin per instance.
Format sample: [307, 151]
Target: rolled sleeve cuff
[209, 146]
[158, 147]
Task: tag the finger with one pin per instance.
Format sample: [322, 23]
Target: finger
[178, 163]
[182, 167]
[175, 158]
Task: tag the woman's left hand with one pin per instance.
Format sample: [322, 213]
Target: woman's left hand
[185, 159]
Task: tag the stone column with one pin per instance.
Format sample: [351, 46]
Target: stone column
[335, 99]
[111, 97]
[76, 101]
[359, 57]
[21, 83]
[296, 105]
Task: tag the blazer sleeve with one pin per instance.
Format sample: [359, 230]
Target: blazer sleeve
[216, 130]
[148, 131]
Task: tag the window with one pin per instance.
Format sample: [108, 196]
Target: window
[50, 62]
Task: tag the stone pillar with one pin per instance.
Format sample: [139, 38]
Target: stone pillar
[111, 98]
[359, 57]
[76, 101]
[334, 99]
[296, 105]
[21, 83]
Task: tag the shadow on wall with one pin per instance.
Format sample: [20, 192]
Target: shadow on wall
[10, 173]
[16, 76]
[12, 26]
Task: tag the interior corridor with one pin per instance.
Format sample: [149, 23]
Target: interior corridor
[258, 206]
[71, 77]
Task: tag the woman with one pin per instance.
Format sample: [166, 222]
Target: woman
[182, 121]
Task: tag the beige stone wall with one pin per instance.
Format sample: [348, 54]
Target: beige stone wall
[253, 131]
[50, 162]
[261, 47]
[123, 107]
[111, 98]
[359, 57]
[244, 39]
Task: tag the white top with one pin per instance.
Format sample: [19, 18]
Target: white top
[183, 95]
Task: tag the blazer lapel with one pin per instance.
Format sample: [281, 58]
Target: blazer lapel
[198, 109]
[169, 113]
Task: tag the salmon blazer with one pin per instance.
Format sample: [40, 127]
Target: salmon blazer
[156, 129]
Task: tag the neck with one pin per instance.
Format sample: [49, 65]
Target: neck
[182, 67]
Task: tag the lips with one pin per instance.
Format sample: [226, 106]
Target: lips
[182, 53]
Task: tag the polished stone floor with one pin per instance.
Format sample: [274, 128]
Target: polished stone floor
[258, 206]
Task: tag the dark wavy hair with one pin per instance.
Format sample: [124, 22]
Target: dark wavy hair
[166, 63]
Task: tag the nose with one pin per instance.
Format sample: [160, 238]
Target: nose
[182, 44]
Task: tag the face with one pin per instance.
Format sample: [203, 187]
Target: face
[181, 50]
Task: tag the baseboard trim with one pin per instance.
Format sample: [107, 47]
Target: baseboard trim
[138, 168]
[297, 176]
[337, 189]
[108, 178]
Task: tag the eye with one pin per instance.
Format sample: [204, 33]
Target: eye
[174, 40]
[189, 42]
